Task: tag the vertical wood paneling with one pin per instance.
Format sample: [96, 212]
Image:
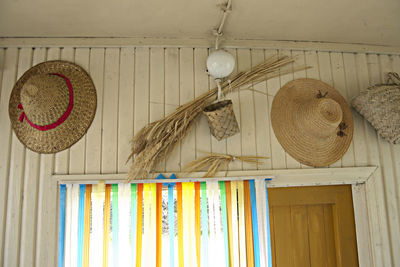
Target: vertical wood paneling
[157, 96]
[360, 158]
[110, 111]
[30, 199]
[339, 82]
[279, 155]
[389, 179]
[94, 134]
[396, 148]
[203, 136]
[16, 180]
[325, 71]
[229, 145]
[263, 144]
[2, 54]
[62, 158]
[373, 157]
[363, 83]
[172, 99]
[247, 113]
[46, 242]
[125, 106]
[291, 163]
[77, 151]
[138, 85]
[186, 91]
[360, 151]
[9, 76]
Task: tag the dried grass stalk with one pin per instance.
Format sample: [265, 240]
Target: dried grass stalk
[156, 141]
[216, 162]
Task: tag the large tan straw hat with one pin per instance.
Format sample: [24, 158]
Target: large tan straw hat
[312, 122]
[52, 106]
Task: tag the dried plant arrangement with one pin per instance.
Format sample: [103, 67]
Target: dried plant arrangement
[153, 143]
[216, 162]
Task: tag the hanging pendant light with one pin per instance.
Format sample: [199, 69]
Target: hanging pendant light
[220, 64]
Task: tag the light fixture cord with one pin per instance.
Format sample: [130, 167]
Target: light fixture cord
[226, 9]
[218, 81]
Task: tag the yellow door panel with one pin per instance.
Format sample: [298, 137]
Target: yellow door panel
[312, 226]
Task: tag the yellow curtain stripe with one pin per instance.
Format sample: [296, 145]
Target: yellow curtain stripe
[191, 222]
[229, 216]
[180, 223]
[197, 222]
[106, 225]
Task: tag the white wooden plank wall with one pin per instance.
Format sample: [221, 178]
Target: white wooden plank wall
[139, 85]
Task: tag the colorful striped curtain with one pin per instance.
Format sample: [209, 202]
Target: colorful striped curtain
[194, 224]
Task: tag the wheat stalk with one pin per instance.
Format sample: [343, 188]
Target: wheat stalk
[216, 162]
[153, 143]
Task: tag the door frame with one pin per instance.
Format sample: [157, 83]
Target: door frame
[357, 177]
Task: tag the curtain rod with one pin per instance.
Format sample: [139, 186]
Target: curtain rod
[178, 180]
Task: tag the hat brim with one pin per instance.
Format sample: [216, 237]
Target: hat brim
[305, 148]
[74, 127]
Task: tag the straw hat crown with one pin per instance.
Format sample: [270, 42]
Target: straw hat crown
[312, 122]
[44, 98]
[319, 117]
[52, 106]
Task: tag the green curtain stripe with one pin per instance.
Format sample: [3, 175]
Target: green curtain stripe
[133, 221]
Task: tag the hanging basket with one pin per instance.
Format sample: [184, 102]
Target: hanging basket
[380, 105]
[221, 119]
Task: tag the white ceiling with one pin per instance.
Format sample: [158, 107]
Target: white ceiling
[345, 21]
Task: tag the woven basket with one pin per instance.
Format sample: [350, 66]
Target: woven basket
[380, 105]
[221, 119]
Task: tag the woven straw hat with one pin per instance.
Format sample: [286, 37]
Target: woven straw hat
[312, 122]
[52, 106]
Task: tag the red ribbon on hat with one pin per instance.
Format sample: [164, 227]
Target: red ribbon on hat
[63, 116]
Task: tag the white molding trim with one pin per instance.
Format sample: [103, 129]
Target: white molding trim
[281, 178]
[362, 225]
[201, 42]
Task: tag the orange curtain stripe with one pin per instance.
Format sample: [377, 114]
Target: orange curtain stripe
[249, 225]
[229, 215]
[197, 220]
[180, 223]
[106, 225]
[158, 224]
[139, 213]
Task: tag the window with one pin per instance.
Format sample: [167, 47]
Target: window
[212, 223]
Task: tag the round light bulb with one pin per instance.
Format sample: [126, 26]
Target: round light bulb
[220, 64]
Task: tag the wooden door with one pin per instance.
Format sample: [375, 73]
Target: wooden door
[312, 226]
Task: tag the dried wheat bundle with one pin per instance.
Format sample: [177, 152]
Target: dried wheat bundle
[216, 162]
[156, 141]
